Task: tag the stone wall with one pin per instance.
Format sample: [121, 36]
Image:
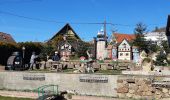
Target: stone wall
[142, 87]
[83, 84]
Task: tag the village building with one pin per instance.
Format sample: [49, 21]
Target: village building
[124, 51]
[155, 37]
[120, 49]
[66, 41]
[4, 37]
[101, 51]
[168, 29]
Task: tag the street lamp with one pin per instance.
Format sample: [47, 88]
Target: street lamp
[23, 52]
[23, 55]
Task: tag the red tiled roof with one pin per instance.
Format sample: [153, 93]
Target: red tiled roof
[120, 37]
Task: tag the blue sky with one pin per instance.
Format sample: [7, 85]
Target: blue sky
[123, 12]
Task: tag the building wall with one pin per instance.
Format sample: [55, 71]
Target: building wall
[124, 55]
[101, 50]
[114, 54]
[16, 81]
[124, 51]
[136, 56]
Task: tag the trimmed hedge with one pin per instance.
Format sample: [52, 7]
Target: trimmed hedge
[6, 49]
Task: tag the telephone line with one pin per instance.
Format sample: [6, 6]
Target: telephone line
[58, 22]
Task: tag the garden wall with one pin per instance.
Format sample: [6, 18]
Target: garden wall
[85, 84]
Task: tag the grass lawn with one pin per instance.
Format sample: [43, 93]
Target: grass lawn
[13, 98]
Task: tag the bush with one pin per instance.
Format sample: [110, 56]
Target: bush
[6, 49]
[29, 48]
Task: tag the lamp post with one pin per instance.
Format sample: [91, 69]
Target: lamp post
[23, 55]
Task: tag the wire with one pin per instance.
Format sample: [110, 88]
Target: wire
[17, 1]
[53, 21]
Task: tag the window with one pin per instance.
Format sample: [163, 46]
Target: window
[121, 54]
[127, 54]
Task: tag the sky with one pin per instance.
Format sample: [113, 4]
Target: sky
[39, 20]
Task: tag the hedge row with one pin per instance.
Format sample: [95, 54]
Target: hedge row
[6, 49]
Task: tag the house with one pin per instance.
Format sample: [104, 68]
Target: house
[66, 41]
[155, 37]
[124, 50]
[4, 37]
[119, 37]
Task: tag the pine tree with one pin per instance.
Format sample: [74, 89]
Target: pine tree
[139, 41]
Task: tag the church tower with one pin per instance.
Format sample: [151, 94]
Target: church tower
[101, 45]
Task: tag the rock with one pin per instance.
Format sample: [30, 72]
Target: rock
[129, 95]
[158, 92]
[164, 90]
[145, 88]
[148, 93]
[119, 81]
[166, 95]
[131, 91]
[133, 86]
[158, 96]
[124, 89]
[137, 97]
[103, 67]
[121, 95]
[140, 82]
[169, 91]
[138, 93]
[119, 85]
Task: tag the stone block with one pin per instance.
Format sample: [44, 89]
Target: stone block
[166, 95]
[169, 91]
[120, 81]
[137, 97]
[129, 95]
[148, 93]
[121, 95]
[103, 67]
[131, 91]
[120, 85]
[158, 96]
[138, 93]
[158, 92]
[123, 90]
[133, 87]
[70, 65]
[164, 90]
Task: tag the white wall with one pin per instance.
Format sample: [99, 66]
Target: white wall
[15, 81]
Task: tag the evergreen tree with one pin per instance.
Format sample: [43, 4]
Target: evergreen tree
[139, 41]
[161, 58]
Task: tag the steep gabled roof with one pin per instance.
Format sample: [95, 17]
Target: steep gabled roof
[120, 37]
[122, 42]
[64, 30]
[4, 37]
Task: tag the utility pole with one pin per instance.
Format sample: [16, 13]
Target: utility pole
[105, 34]
[105, 37]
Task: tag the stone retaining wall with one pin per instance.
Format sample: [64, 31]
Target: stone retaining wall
[83, 84]
[142, 87]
